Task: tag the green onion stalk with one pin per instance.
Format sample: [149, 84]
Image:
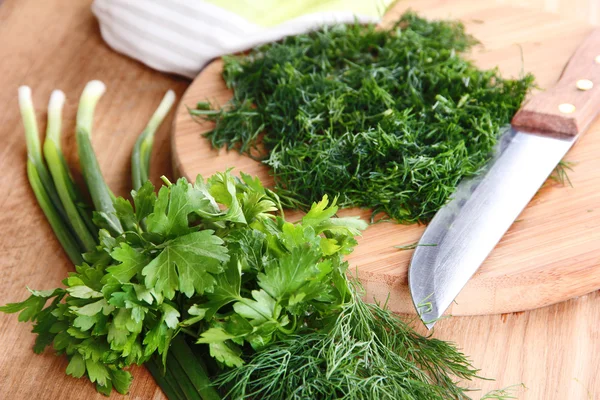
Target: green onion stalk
[41, 181]
[102, 197]
[140, 157]
[68, 193]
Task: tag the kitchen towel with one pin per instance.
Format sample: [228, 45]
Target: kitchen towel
[182, 36]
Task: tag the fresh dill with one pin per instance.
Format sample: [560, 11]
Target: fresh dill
[505, 393]
[560, 173]
[413, 246]
[368, 353]
[389, 120]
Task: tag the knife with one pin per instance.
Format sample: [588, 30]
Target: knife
[464, 231]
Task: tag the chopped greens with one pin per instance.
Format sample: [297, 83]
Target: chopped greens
[389, 119]
[560, 174]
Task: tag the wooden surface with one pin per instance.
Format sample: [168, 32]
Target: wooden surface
[554, 351]
[57, 45]
[583, 10]
[543, 113]
[552, 254]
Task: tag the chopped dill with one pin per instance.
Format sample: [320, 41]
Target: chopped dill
[504, 394]
[413, 246]
[389, 120]
[560, 174]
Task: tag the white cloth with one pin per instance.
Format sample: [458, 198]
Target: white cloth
[181, 37]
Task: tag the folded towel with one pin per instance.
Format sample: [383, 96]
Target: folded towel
[182, 36]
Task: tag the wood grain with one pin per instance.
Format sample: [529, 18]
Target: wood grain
[554, 351]
[583, 10]
[552, 254]
[543, 113]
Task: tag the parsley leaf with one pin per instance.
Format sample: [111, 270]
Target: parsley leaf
[186, 263]
[286, 275]
[227, 353]
[222, 188]
[76, 367]
[227, 289]
[31, 307]
[172, 208]
[261, 308]
[132, 262]
[144, 199]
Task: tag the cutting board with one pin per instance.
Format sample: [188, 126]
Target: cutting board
[552, 251]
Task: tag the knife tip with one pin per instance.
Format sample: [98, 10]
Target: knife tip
[429, 316]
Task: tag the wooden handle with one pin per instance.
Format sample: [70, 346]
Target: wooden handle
[573, 103]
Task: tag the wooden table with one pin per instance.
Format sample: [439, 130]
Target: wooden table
[554, 351]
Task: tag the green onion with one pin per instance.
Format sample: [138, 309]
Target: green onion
[65, 186]
[102, 197]
[59, 227]
[34, 153]
[166, 380]
[180, 377]
[40, 181]
[182, 353]
[140, 157]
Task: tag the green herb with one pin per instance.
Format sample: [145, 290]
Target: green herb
[366, 353]
[504, 394]
[71, 199]
[140, 156]
[560, 173]
[208, 281]
[127, 301]
[390, 119]
[41, 182]
[101, 195]
[413, 246]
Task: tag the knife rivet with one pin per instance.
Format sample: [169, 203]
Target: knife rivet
[584, 84]
[566, 108]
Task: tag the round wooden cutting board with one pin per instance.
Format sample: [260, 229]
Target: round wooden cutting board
[550, 254]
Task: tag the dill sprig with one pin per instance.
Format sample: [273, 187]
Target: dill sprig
[560, 174]
[505, 393]
[368, 353]
[390, 120]
[413, 246]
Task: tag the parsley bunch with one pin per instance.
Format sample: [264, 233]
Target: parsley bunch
[209, 259]
[228, 276]
[389, 119]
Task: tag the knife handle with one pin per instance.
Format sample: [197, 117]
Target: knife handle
[573, 103]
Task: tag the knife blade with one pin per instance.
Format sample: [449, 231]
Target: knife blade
[463, 232]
